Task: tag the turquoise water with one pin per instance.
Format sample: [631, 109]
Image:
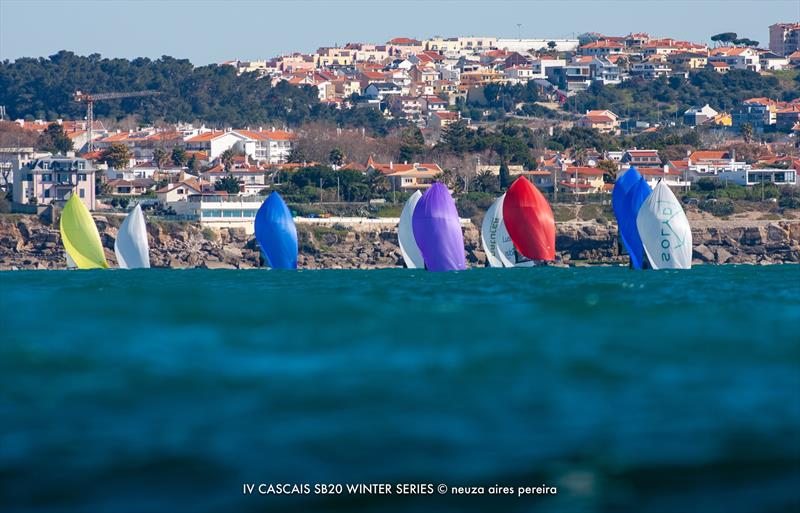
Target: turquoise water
[165, 390]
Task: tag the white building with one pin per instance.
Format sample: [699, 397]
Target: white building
[214, 142]
[749, 176]
[523, 45]
[270, 146]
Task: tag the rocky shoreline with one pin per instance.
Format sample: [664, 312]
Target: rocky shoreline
[27, 242]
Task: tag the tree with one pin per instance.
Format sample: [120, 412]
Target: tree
[54, 139]
[378, 183]
[297, 155]
[159, 157]
[610, 170]
[505, 175]
[552, 46]
[486, 181]
[412, 145]
[117, 156]
[227, 159]
[455, 137]
[193, 164]
[179, 157]
[724, 37]
[229, 184]
[747, 132]
[336, 157]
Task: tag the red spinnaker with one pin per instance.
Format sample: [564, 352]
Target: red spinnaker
[529, 221]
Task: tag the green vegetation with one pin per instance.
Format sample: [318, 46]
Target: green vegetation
[661, 99]
[229, 184]
[117, 156]
[43, 88]
[55, 140]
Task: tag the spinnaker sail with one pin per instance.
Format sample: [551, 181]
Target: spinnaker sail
[490, 232]
[276, 233]
[405, 234]
[665, 231]
[630, 192]
[529, 220]
[131, 246]
[437, 230]
[80, 236]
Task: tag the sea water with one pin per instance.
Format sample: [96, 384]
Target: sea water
[168, 390]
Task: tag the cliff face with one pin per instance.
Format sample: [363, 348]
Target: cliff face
[28, 243]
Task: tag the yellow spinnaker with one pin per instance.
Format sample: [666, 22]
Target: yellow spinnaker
[80, 236]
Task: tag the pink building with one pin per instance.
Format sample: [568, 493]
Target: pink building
[54, 179]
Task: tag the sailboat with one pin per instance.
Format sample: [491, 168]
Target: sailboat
[490, 232]
[437, 230]
[276, 233]
[519, 229]
[529, 221]
[131, 246]
[405, 234]
[664, 230]
[80, 236]
[630, 192]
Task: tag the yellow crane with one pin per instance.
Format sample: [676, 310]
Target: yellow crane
[90, 98]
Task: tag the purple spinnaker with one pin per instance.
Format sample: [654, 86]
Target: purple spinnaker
[437, 230]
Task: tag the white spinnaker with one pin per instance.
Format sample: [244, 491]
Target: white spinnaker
[131, 245]
[490, 232]
[665, 231]
[405, 235]
[70, 262]
[506, 252]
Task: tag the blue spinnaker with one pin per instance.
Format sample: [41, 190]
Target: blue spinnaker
[276, 233]
[630, 191]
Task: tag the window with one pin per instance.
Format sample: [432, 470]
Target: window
[231, 213]
[47, 177]
[81, 193]
[82, 177]
[47, 193]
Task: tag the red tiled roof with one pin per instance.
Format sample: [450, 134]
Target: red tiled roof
[584, 170]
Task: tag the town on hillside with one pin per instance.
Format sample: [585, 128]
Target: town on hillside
[469, 111]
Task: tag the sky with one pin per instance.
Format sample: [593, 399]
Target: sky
[208, 31]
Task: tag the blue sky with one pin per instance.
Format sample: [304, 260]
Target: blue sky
[206, 31]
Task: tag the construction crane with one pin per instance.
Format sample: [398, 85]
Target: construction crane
[91, 98]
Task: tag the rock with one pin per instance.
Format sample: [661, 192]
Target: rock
[723, 255]
[216, 265]
[703, 253]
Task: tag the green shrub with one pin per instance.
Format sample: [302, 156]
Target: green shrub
[717, 207]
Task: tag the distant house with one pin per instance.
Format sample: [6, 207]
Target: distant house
[696, 116]
[180, 191]
[137, 186]
[639, 158]
[719, 67]
[269, 146]
[55, 178]
[604, 121]
[755, 176]
[406, 177]
[252, 178]
[214, 142]
[736, 58]
[438, 120]
[382, 90]
[602, 47]
[582, 180]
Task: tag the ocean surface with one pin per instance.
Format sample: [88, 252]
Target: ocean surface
[170, 391]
